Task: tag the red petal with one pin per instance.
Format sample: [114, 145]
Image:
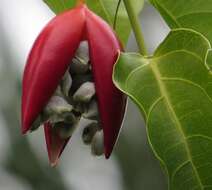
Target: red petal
[55, 144]
[103, 47]
[48, 60]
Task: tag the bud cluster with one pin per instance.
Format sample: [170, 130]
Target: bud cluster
[75, 98]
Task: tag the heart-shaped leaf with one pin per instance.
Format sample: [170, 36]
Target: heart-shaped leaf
[104, 8]
[173, 90]
[194, 14]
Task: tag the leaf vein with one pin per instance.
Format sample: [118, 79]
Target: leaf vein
[188, 82]
[164, 93]
[193, 13]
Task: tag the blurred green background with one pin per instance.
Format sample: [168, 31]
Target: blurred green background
[23, 159]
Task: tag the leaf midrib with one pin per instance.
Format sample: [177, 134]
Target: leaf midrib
[175, 18]
[164, 93]
[192, 13]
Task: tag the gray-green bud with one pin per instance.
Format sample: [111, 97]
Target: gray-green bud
[89, 132]
[85, 92]
[57, 105]
[92, 111]
[66, 83]
[97, 144]
[83, 51]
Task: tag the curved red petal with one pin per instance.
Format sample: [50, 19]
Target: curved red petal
[48, 60]
[103, 50]
[55, 144]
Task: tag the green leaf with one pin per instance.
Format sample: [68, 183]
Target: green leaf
[123, 27]
[173, 90]
[58, 6]
[105, 9]
[194, 14]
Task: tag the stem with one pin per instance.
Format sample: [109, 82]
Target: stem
[116, 15]
[136, 27]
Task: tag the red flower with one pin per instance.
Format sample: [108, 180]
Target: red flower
[50, 58]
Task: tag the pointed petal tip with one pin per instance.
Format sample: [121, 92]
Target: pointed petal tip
[107, 157]
[54, 163]
[55, 145]
[53, 159]
[107, 154]
[24, 130]
[25, 126]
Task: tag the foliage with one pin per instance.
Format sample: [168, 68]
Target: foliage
[173, 89]
[194, 14]
[104, 8]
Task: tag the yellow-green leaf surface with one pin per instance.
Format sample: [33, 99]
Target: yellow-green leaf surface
[104, 8]
[173, 90]
[194, 14]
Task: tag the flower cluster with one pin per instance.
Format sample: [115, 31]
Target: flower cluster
[68, 76]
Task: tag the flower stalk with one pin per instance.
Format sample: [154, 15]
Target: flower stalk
[136, 27]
